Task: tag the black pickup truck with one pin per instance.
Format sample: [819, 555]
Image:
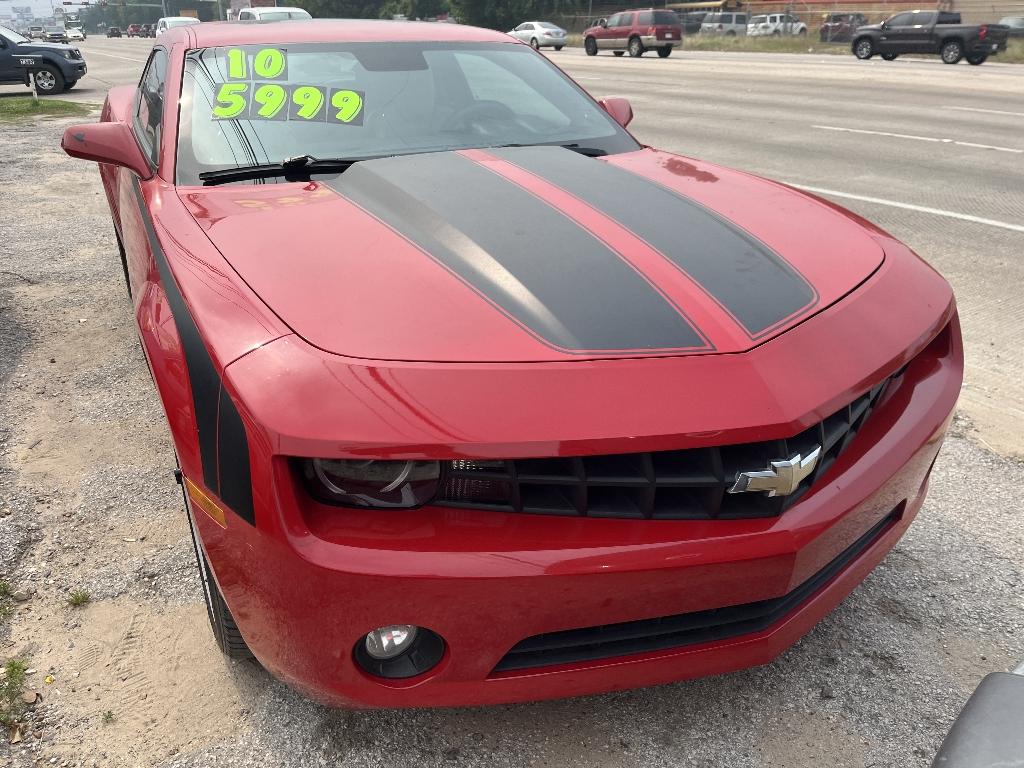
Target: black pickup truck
[936, 32]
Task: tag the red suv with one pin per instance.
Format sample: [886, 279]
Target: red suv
[635, 31]
[134, 30]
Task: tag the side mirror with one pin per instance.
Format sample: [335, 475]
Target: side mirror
[619, 109]
[111, 143]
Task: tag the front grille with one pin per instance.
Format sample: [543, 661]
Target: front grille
[684, 629]
[664, 485]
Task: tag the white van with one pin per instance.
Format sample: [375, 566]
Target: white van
[279, 13]
[730, 24]
[173, 21]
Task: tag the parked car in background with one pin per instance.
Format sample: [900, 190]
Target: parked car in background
[147, 31]
[636, 31]
[937, 32]
[775, 24]
[839, 27]
[169, 22]
[691, 21]
[730, 24]
[134, 30]
[56, 34]
[75, 34]
[62, 65]
[113, 31]
[36, 33]
[1014, 25]
[540, 34]
[280, 13]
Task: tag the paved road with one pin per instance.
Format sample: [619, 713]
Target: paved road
[84, 458]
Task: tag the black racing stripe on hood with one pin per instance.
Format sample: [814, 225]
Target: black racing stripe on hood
[749, 280]
[538, 266]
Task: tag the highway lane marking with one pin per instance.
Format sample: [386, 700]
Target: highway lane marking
[911, 207]
[114, 56]
[919, 138]
[987, 111]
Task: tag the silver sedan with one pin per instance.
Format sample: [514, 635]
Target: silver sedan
[540, 34]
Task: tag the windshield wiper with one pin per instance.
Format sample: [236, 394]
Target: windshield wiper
[588, 151]
[298, 167]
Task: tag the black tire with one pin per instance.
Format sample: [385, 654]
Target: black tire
[49, 81]
[802, 32]
[976, 59]
[863, 48]
[618, 53]
[665, 51]
[558, 47]
[889, 56]
[124, 263]
[534, 44]
[590, 46]
[731, 33]
[225, 631]
[69, 86]
[635, 47]
[951, 52]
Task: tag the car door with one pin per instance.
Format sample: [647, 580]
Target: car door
[895, 33]
[918, 38]
[146, 123]
[622, 30]
[605, 35]
[8, 72]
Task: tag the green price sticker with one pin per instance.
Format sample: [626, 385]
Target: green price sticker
[231, 101]
[264, 64]
[268, 102]
[346, 107]
[307, 103]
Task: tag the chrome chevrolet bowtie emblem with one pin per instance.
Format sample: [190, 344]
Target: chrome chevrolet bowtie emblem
[781, 478]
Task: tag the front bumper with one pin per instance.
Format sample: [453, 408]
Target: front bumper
[307, 584]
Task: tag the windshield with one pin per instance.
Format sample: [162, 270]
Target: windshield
[55, 30]
[12, 36]
[254, 105]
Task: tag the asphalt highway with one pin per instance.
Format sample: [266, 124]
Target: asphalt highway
[932, 153]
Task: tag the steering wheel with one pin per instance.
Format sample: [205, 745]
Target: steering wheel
[477, 115]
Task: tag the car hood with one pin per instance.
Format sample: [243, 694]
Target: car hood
[40, 47]
[870, 28]
[536, 253]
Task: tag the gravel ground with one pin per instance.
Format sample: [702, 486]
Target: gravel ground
[87, 501]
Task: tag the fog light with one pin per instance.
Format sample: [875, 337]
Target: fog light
[391, 641]
[399, 651]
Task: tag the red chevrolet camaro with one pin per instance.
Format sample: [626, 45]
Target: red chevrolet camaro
[475, 398]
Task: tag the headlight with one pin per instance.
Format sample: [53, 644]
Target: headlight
[372, 483]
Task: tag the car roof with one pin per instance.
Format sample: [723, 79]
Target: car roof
[275, 8]
[216, 33]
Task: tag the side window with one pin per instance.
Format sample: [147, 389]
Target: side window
[924, 18]
[741, 18]
[244, 16]
[901, 20]
[646, 18]
[149, 105]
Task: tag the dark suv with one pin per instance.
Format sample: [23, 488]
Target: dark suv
[839, 27]
[635, 31]
[61, 67]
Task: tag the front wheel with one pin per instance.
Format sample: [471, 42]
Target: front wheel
[952, 51]
[558, 47]
[590, 46]
[890, 56]
[731, 33]
[802, 32]
[665, 51]
[636, 48]
[48, 81]
[225, 631]
[976, 59]
[864, 49]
